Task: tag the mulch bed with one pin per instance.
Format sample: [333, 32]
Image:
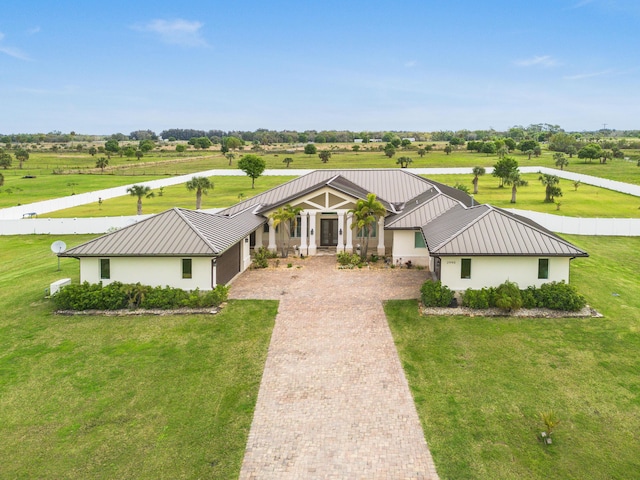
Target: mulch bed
[138, 312]
[523, 312]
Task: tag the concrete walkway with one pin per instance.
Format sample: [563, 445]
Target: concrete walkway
[333, 402]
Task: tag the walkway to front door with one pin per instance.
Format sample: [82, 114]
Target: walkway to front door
[333, 402]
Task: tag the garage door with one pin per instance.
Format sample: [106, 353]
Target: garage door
[228, 265]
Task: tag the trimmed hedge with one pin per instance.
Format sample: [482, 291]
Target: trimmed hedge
[434, 294]
[553, 295]
[117, 296]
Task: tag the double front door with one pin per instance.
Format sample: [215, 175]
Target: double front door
[328, 232]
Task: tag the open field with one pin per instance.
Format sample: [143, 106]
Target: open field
[480, 383]
[225, 193]
[81, 167]
[135, 397]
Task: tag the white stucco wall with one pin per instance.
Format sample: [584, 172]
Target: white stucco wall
[404, 249]
[492, 271]
[154, 271]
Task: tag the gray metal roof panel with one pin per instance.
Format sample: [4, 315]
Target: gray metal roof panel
[432, 205]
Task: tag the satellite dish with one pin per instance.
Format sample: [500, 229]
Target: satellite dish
[58, 246]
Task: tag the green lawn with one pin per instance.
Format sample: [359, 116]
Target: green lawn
[226, 192]
[136, 397]
[480, 383]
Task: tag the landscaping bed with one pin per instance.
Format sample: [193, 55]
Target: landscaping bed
[521, 313]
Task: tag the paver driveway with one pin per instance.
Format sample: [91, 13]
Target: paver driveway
[333, 402]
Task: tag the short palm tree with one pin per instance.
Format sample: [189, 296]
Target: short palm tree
[286, 217]
[477, 172]
[404, 162]
[140, 191]
[550, 183]
[201, 185]
[102, 163]
[365, 216]
[515, 181]
[560, 160]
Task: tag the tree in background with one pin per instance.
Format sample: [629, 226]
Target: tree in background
[503, 169]
[560, 160]
[112, 146]
[571, 151]
[146, 145]
[477, 173]
[355, 148]
[515, 181]
[421, 152]
[489, 148]
[140, 191]
[230, 156]
[389, 150]
[233, 143]
[550, 183]
[287, 160]
[22, 156]
[310, 149]
[129, 152]
[201, 185]
[591, 151]
[5, 160]
[448, 149]
[325, 155]
[139, 154]
[527, 145]
[92, 151]
[1, 180]
[253, 166]
[181, 148]
[365, 215]
[102, 163]
[404, 162]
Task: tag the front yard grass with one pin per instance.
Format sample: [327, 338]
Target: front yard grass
[479, 384]
[135, 397]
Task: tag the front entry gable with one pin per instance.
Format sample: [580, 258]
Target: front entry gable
[324, 199]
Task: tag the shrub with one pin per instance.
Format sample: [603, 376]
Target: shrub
[561, 296]
[476, 298]
[434, 294]
[261, 257]
[349, 260]
[508, 296]
[116, 296]
[531, 297]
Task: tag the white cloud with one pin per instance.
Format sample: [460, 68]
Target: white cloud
[581, 76]
[33, 31]
[537, 60]
[411, 64]
[12, 51]
[175, 32]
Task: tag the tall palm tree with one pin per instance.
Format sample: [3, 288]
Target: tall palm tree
[477, 172]
[550, 183]
[286, 217]
[140, 191]
[515, 181]
[200, 185]
[365, 216]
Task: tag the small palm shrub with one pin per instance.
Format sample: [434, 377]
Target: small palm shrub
[508, 296]
[434, 294]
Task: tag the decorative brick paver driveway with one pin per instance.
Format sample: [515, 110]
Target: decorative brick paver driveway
[333, 402]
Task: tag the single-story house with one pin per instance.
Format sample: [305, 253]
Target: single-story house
[465, 244]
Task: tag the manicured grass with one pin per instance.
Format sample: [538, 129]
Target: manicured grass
[136, 397]
[586, 201]
[480, 383]
[226, 192]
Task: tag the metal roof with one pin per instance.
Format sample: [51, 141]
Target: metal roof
[173, 232]
[486, 230]
[391, 186]
[421, 210]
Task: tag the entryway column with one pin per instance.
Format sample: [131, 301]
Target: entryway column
[272, 237]
[381, 250]
[349, 246]
[313, 247]
[303, 234]
[340, 246]
[258, 235]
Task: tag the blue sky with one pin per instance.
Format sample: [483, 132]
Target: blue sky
[119, 66]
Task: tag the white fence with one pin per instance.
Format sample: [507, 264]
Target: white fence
[621, 227]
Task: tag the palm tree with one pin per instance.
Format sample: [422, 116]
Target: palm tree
[230, 156]
[404, 162]
[200, 185]
[140, 191]
[560, 160]
[515, 181]
[1, 179]
[365, 216]
[550, 183]
[286, 216]
[287, 160]
[477, 172]
[101, 163]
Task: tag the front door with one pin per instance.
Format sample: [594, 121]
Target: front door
[328, 232]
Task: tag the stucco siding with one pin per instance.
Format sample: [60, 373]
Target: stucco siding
[492, 271]
[154, 271]
[404, 249]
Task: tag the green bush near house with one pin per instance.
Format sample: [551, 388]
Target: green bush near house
[435, 294]
[553, 295]
[116, 296]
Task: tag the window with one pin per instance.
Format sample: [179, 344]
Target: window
[543, 268]
[465, 270]
[296, 232]
[186, 268]
[105, 269]
[418, 241]
[265, 229]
